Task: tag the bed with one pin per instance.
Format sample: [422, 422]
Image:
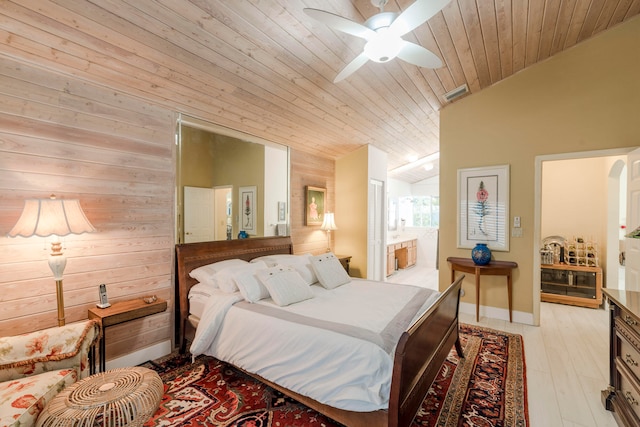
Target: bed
[418, 353]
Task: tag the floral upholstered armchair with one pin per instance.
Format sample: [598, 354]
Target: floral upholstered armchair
[34, 367]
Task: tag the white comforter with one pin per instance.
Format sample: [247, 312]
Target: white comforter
[333, 368]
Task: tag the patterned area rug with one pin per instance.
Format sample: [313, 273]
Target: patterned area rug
[486, 388]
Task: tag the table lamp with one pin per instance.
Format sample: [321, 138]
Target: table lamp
[53, 217]
[328, 224]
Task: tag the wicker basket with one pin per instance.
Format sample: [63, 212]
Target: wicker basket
[115, 398]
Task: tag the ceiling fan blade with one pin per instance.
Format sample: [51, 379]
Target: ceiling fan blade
[339, 23]
[415, 15]
[417, 55]
[351, 67]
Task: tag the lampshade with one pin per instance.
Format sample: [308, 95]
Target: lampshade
[328, 223]
[44, 217]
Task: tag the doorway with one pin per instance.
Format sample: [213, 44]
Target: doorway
[595, 207]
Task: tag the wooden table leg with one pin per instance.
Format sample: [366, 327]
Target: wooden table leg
[477, 295]
[509, 286]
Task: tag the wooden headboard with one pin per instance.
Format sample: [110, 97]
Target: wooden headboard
[190, 256]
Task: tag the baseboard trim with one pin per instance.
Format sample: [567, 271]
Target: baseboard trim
[497, 313]
[140, 356]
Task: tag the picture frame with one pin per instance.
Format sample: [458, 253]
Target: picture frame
[248, 204]
[314, 205]
[282, 211]
[483, 207]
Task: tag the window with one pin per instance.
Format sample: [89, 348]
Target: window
[422, 211]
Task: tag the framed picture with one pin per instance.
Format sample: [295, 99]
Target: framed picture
[282, 211]
[483, 207]
[314, 205]
[247, 209]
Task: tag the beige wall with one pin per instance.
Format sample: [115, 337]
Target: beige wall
[575, 201]
[586, 98]
[351, 209]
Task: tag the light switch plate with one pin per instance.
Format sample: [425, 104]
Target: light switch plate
[516, 222]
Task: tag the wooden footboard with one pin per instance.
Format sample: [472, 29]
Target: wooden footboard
[420, 352]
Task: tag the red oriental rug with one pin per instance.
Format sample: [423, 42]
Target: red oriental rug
[486, 388]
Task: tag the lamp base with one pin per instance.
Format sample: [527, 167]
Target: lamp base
[105, 305]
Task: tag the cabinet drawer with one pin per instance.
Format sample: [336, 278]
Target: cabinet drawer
[629, 393]
[630, 357]
[625, 320]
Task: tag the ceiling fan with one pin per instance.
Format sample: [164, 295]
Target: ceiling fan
[383, 33]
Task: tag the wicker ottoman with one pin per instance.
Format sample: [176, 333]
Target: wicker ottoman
[115, 398]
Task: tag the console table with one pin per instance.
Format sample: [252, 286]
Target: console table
[494, 268]
[120, 312]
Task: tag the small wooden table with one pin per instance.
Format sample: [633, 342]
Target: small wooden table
[494, 268]
[120, 312]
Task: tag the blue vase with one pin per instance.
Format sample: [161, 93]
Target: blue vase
[242, 235]
[481, 254]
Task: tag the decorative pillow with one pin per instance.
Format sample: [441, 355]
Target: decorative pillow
[251, 289]
[224, 279]
[285, 285]
[302, 264]
[205, 273]
[329, 270]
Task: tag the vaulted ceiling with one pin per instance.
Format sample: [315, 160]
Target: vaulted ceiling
[266, 68]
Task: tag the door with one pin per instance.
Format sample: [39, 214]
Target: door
[632, 246]
[376, 254]
[198, 214]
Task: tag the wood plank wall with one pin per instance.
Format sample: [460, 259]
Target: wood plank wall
[318, 172]
[115, 152]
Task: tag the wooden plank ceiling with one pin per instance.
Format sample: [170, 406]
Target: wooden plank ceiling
[266, 68]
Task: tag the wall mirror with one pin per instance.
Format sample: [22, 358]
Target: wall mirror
[229, 184]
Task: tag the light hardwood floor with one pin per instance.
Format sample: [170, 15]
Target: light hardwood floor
[566, 357]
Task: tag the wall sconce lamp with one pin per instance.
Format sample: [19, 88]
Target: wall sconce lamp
[53, 217]
[328, 224]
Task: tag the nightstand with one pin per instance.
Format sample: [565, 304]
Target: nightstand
[344, 260]
[120, 312]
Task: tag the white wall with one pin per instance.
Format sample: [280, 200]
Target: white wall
[276, 183]
[427, 237]
[427, 187]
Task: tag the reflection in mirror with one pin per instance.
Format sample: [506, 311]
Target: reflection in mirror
[392, 212]
[214, 164]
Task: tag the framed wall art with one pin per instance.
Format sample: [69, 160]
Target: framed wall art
[314, 205]
[483, 207]
[247, 209]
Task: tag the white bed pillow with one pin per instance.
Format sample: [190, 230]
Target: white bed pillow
[285, 285]
[251, 289]
[205, 273]
[225, 278]
[302, 264]
[329, 270]
[199, 295]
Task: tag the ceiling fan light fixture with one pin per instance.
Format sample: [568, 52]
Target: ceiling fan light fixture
[383, 47]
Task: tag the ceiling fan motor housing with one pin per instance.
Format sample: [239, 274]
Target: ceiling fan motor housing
[383, 47]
